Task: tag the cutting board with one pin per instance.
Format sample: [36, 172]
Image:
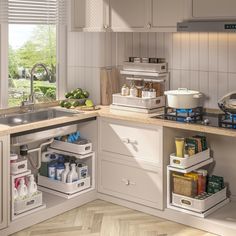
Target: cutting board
[110, 83]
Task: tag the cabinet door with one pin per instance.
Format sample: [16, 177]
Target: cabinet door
[4, 180]
[129, 15]
[214, 8]
[166, 13]
[89, 15]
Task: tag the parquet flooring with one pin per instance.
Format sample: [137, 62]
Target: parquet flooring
[100, 218]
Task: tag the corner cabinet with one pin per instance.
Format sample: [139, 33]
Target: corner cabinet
[127, 15]
[214, 9]
[4, 180]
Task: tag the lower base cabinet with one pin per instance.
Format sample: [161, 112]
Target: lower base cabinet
[129, 182]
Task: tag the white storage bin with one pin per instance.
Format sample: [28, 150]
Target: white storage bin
[68, 188]
[29, 203]
[18, 167]
[196, 204]
[147, 103]
[72, 147]
[186, 162]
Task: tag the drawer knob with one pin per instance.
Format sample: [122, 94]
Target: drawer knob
[128, 182]
[128, 141]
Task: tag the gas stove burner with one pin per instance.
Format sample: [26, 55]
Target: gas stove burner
[227, 121]
[184, 115]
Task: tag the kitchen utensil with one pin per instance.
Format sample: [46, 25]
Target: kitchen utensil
[228, 103]
[183, 98]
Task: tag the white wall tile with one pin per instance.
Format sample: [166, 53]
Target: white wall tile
[194, 51]
[213, 51]
[203, 52]
[223, 52]
[176, 51]
[185, 51]
[232, 52]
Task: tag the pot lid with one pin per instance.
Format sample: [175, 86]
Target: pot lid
[181, 91]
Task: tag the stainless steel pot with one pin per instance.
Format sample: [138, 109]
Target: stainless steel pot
[183, 98]
[228, 103]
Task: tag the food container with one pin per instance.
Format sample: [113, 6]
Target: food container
[183, 98]
[184, 185]
[198, 205]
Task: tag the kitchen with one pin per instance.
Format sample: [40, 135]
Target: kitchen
[101, 36]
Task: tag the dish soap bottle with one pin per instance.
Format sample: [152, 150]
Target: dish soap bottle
[72, 176]
[32, 186]
[65, 173]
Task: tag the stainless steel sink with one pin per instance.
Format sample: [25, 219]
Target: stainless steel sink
[34, 116]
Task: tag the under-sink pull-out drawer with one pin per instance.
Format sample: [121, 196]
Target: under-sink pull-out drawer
[124, 138]
[131, 183]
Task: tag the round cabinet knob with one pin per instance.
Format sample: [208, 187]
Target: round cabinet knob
[106, 26]
[149, 25]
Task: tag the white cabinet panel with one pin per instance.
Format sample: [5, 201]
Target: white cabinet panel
[129, 15]
[214, 8]
[166, 13]
[131, 183]
[89, 15]
[4, 180]
[123, 138]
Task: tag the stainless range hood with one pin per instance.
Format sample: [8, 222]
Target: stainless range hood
[207, 26]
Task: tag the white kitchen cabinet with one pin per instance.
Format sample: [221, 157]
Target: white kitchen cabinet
[129, 15]
[89, 15]
[165, 14]
[130, 161]
[4, 180]
[214, 9]
[134, 141]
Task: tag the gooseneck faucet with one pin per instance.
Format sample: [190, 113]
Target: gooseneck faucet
[32, 95]
[29, 103]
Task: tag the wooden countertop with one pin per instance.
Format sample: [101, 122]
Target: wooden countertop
[120, 115]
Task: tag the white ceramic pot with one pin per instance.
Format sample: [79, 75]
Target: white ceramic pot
[183, 98]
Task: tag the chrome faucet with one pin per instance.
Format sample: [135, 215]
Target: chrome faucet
[30, 102]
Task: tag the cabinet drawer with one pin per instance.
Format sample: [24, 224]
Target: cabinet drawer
[131, 183]
[135, 141]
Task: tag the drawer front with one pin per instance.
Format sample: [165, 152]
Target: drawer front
[135, 141]
[131, 183]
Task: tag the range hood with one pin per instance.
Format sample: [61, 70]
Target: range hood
[207, 26]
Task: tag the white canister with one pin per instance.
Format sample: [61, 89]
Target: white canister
[133, 91]
[152, 93]
[125, 90]
[145, 93]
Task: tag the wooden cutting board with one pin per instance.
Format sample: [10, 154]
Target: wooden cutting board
[110, 83]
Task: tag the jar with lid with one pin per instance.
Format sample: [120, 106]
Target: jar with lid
[133, 90]
[202, 180]
[18, 164]
[125, 90]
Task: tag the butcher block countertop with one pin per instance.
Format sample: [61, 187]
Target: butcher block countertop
[115, 114]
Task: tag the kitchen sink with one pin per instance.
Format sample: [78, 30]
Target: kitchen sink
[34, 116]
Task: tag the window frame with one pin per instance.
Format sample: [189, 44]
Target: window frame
[61, 56]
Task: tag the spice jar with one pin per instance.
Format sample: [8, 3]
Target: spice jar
[125, 90]
[179, 145]
[133, 91]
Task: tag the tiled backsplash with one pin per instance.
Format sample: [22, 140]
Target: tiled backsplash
[201, 61]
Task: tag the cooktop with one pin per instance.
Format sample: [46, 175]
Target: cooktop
[199, 116]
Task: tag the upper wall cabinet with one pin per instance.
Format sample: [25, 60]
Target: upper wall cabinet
[214, 9]
[166, 13]
[126, 15]
[129, 15]
[89, 15]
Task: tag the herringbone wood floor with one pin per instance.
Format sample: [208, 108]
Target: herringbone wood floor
[101, 218]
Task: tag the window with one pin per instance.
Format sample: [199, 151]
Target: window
[33, 37]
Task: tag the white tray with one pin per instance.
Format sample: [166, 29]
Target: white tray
[196, 204]
[72, 147]
[147, 103]
[29, 203]
[68, 188]
[150, 67]
[187, 162]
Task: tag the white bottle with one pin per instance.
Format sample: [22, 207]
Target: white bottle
[22, 189]
[73, 175]
[32, 186]
[15, 194]
[65, 172]
[133, 91]
[125, 90]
